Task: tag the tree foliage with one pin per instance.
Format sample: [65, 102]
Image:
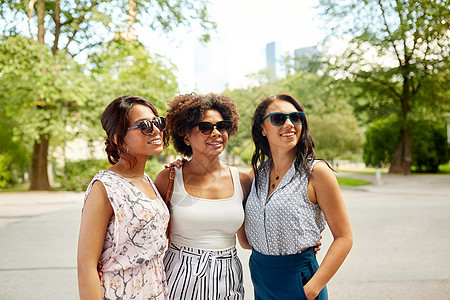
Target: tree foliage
[68, 28]
[397, 55]
[429, 148]
[380, 142]
[14, 153]
[42, 92]
[127, 68]
[246, 101]
[336, 135]
[333, 125]
[76, 25]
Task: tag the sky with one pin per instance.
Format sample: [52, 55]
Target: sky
[244, 27]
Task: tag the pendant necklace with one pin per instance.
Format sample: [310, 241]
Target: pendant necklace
[274, 182]
[277, 177]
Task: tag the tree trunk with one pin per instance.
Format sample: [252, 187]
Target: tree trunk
[57, 19]
[40, 12]
[401, 161]
[39, 164]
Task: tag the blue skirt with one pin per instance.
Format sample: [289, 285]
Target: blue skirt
[280, 277]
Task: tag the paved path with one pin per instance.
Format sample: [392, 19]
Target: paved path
[401, 242]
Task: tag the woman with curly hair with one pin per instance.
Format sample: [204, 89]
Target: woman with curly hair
[124, 219]
[292, 198]
[207, 202]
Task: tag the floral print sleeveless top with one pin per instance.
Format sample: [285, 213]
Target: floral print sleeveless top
[135, 241]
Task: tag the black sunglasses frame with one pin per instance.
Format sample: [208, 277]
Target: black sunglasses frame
[159, 122]
[227, 127]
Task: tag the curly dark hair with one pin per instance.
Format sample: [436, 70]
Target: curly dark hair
[305, 153]
[116, 120]
[185, 111]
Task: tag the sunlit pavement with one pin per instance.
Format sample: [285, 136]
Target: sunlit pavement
[401, 231]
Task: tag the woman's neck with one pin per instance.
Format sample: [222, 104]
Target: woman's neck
[205, 165]
[281, 162]
[123, 167]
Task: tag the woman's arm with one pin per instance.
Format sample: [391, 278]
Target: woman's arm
[246, 184]
[162, 182]
[97, 212]
[328, 196]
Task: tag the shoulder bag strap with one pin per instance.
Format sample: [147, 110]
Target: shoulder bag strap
[169, 190]
[168, 197]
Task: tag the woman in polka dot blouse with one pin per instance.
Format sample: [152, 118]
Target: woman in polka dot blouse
[292, 198]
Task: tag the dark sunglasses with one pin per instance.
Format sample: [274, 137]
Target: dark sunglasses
[146, 126]
[206, 128]
[278, 119]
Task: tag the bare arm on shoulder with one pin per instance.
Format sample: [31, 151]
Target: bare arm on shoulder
[162, 182]
[96, 214]
[246, 183]
[329, 197]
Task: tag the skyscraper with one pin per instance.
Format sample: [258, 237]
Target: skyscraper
[274, 60]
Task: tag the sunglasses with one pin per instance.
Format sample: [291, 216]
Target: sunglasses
[146, 126]
[278, 119]
[206, 128]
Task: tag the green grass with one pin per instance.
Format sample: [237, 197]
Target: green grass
[14, 189]
[344, 181]
[442, 170]
[383, 171]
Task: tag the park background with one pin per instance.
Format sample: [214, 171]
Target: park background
[372, 76]
[375, 84]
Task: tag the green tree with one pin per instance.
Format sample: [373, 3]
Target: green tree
[335, 129]
[430, 147]
[398, 57]
[246, 101]
[333, 125]
[336, 135]
[429, 144]
[73, 26]
[14, 153]
[127, 68]
[381, 137]
[42, 94]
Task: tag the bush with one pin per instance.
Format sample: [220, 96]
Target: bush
[429, 147]
[153, 167]
[15, 154]
[381, 138]
[429, 144]
[76, 176]
[5, 172]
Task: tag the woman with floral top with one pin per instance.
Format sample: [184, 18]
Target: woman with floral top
[124, 219]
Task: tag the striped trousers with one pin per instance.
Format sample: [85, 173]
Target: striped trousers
[197, 274]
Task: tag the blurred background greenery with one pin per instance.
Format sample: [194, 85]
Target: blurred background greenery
[391, 116]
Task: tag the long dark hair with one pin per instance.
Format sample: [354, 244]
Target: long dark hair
[116, 120]
[304, 155]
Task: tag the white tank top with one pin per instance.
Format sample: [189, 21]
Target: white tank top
[208, 224]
